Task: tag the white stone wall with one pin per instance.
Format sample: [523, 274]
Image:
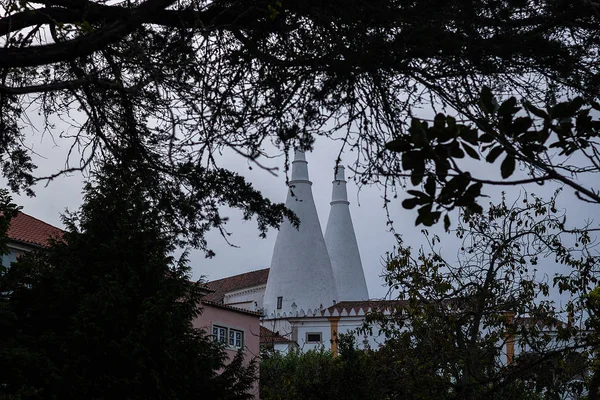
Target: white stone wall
[247, 298]
[283, 347]
[297, 325]
[315, 325]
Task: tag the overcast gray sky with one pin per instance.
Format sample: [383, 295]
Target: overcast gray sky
[252, 253]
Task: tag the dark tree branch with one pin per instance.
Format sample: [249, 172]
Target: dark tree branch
[61, 85]
[80, 46]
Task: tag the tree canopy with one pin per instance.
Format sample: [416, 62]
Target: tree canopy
[487, 324]
[174, 84]
[163, 88]
[107, 311]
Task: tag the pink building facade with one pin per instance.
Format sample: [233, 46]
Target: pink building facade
[236, 327]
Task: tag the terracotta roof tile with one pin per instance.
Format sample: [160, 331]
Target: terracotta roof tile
[27, 229]
[267, 336]
[232, 283]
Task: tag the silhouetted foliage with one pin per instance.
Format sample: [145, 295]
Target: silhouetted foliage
[176, 84]
[452, 338]
[557, 144]
[107, 311]
[317, 374]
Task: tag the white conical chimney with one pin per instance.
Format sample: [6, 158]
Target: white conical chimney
[342, 246]
[301, 271]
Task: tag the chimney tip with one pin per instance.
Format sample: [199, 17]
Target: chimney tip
[338, 172]
[299, 155]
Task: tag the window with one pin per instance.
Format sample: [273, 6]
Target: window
[220, 333]
[232, 337]
[279, 303]
[313, 337]
[9, 258]
[236, 338]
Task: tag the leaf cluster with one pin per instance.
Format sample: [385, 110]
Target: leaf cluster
[438, 146]
[541, 141]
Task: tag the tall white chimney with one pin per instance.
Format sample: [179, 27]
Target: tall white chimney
[301, 276]
[341, 244]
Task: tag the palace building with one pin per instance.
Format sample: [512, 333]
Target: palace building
[315, 288]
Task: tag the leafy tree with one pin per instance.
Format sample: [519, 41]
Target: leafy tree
[107, 311]
[360, 371]
[296, 375]
[592, 306]
[174, 84]
[449, 339]
[317, 374]
[557, 144]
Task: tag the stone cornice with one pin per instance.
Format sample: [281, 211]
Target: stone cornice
[245, 291]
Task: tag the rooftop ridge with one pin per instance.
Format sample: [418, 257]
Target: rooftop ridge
[235, 276]
[232, 308]
[268, 336]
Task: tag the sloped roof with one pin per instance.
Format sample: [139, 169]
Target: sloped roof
[30, 230]
[231, 308]
[267, 336]
[236, 282]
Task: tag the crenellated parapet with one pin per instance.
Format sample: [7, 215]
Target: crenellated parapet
[316, 313]
[343, 309]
